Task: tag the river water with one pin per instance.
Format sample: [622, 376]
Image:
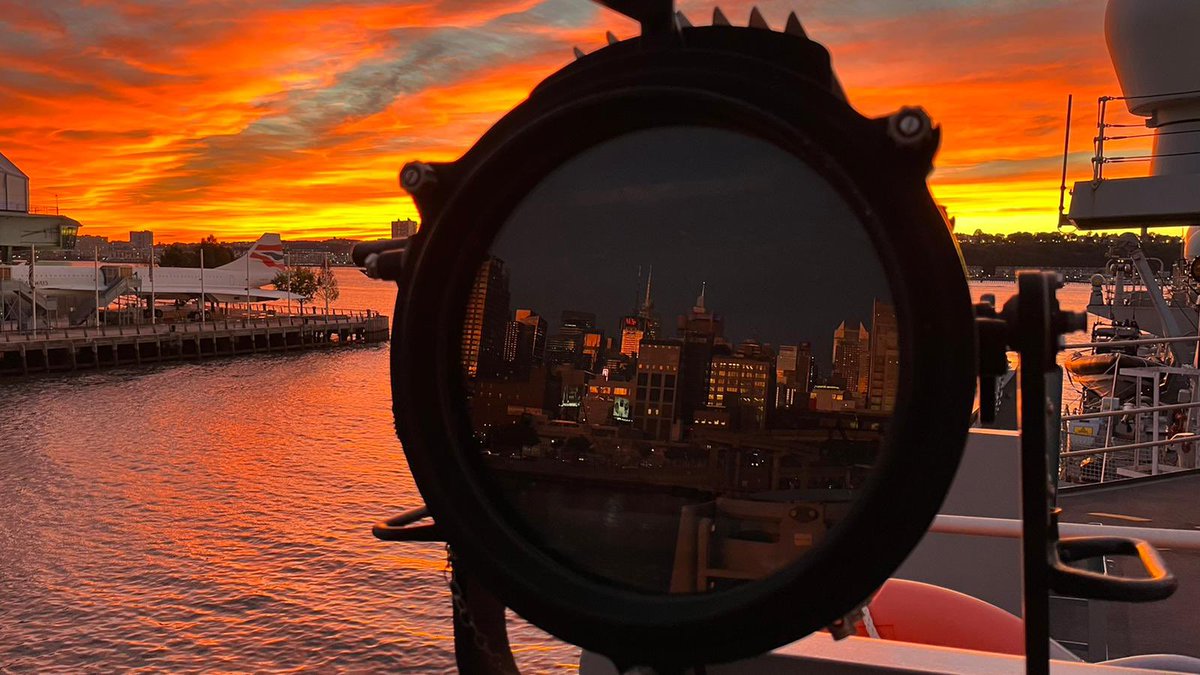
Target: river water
[216, 516]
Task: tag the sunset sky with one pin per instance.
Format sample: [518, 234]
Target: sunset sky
[293, 116]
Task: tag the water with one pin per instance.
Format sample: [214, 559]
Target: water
[216, 516]
[1072, 297]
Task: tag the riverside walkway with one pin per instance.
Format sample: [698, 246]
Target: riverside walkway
[67, 349]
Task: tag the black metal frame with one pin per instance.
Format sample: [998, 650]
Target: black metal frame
[776, 87]
[1033, 324]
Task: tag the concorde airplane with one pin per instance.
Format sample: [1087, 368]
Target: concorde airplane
[234, 282]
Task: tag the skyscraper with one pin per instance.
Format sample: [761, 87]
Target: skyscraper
[649, 319]
[538, 325]
[851, 366]
[566, 346]
[142, 240]
[486, 321]
[657, 388]
[785, 376]
[885, 358]
[741, 384]
[699, 329]
[591, 356]
[633, 329]
[806, 369]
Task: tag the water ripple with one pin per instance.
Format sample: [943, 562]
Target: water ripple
[216, 516]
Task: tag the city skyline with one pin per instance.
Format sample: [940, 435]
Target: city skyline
[663, 381]
[241, 124]
[773, 244]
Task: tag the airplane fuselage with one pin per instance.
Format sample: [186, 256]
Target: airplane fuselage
[167, 282]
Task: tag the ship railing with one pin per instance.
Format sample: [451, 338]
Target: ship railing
[1160, 443]
[1104, 136]
[1010, 528]
[1138, 341]
[315, 318]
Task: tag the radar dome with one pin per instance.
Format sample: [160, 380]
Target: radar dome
[1153, 48]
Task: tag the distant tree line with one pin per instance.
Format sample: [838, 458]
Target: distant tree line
[1055, 249]
[188, 255]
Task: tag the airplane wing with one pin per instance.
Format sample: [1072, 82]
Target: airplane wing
[256, 295]
[217, 293]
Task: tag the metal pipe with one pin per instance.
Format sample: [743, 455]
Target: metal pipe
[1130, 411]
[1130, 446]
[1007, 528]
[202, 301]
[1139, 341]
[32, 289]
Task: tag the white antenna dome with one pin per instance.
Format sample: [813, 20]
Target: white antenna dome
[1153, 47]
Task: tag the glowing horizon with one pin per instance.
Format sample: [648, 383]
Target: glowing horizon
[296, 118]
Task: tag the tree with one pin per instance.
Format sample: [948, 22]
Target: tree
[327, 287]
[188, 255]
[179, 255]
[215, 253]
[301, 282]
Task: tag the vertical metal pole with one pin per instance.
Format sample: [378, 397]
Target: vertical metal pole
[153, 299]
[1034, 329]
[1062, 192]
[1154, 430]
[96, 281]
[32, 288]
[287, 271]
[1098, 160]
[248, 282]
[202, 303]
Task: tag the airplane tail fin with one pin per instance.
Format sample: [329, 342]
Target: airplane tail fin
[265, 260]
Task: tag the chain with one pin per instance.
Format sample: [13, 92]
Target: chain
[498, 663]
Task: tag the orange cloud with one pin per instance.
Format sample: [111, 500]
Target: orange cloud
[195, 117]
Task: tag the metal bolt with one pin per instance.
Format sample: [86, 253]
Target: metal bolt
[417, 176]
[910, 127]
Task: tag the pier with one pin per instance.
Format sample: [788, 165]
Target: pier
[69, 349]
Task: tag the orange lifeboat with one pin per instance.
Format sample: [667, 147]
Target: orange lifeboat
[910, 611]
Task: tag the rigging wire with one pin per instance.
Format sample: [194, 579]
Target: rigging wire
[1152, 134]
[1171, 93]
[1142, 158]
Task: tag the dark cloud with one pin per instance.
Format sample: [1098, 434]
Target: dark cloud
[417, 59]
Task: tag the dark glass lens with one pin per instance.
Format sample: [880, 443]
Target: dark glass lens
[682, 359]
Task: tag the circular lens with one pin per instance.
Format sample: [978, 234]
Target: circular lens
[682, 359]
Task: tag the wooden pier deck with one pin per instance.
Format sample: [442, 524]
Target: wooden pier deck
[67, 349]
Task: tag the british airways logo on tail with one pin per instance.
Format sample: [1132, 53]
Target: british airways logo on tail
[270, 255]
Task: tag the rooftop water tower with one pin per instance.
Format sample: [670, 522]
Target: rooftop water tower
[1153, 48]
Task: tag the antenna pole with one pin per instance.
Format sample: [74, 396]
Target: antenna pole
[1062, 192]
[32, 289]
[153, 299]
[202, 303]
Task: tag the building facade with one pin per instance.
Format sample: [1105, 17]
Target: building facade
[657, 393]
[486, 321]
[742, 385]
[885, 358]
[403, 229]
[851, 364]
